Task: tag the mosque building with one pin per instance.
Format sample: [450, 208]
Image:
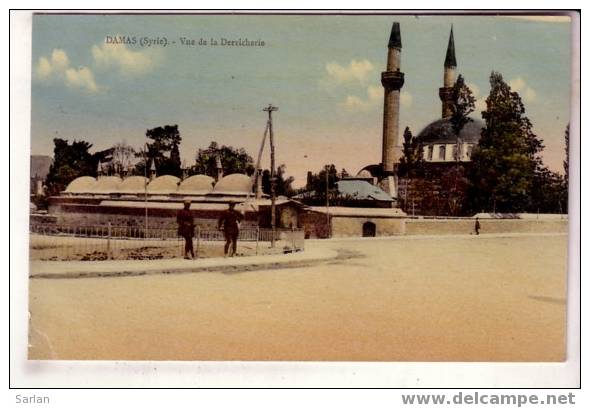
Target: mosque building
[441, 147]
[438, 138]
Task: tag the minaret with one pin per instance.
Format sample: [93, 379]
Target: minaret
[153, 170]
[219, 168]
[392, 80]
[446, 92]
[99, 169]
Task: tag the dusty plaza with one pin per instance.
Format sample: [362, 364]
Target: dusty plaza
[495, 297]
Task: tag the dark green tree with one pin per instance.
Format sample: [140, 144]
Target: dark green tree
[283, 186]
[412, 162]
[233, 160]
[507, 156]
[548, 192]
[317, 188]
[163, 149]
[463, 104]
[69, 162]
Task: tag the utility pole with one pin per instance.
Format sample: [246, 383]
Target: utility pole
[270, 109]
[328, 201]
[145, 183]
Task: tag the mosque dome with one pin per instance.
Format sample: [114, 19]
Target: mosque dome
[197, 184]
[234, 184]
[441, 132]
[163, 185]
[81, 185]
[364, 173]
[107, 184]
[132, 185]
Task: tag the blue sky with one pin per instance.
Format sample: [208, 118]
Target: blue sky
[322, 71]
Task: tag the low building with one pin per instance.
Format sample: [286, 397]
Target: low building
[129, 201]
[337, 222]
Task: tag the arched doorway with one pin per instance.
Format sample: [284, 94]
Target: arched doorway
[369, 229]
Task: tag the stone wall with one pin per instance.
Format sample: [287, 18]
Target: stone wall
[488, 226]
[89, 214]
[353, 226]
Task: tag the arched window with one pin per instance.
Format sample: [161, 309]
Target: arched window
[442, 152]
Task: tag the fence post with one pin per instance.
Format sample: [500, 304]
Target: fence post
[198, 240]
[109, 241]
[257, 237]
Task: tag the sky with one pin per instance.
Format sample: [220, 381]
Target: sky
[323, 72]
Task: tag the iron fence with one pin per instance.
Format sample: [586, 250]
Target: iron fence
[102, 242]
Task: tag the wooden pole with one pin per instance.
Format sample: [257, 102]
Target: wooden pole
[270, 109]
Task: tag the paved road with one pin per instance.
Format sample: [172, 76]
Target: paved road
[430, 299]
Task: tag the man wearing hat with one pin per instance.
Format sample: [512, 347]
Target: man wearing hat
[186, 229]
[229, 222]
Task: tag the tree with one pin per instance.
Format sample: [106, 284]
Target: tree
[453, 190]
[70, 161]
[507, 156]
[462, 105]
[122, 157]
[412, 162]
[283, 186]
[549, 192]
[163, 150]
[317, 188]
[233, 160]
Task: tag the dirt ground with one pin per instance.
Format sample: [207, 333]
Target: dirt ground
[60, 248]
[427, 299]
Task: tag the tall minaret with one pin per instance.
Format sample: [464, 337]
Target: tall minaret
[445, 92]
[392, 80]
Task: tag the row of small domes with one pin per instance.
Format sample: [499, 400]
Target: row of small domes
[197, 184]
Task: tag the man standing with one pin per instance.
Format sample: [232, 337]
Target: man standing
[186, 229]
[477, 226]
[229, 222]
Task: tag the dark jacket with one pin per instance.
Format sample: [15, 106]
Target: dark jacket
[230, 220]
[186, 223]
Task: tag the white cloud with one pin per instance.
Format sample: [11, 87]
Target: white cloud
[82, 78]
[355, 71]
[525, 90]
[57, 68]
[374, 98]
[120, 57]
[56, 64]
[59, 59]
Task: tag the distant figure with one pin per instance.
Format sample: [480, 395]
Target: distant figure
[186, 229]
[477, 226]
[229, 222]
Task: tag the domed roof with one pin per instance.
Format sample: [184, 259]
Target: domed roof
[80, 185]
[132, 185]
[107, 184]
[372, 170]
[197, 184]
[163, 185]
[233, 184]
[364, 173]
[441, 131]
